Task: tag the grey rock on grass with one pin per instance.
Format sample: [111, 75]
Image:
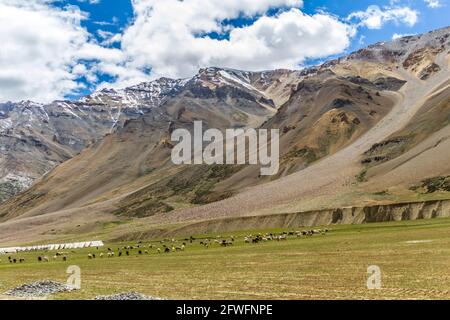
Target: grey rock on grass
[39, 289]
[127, 296]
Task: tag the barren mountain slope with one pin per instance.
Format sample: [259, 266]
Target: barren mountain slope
[325, 113]
[333, 106]
[325, 183]
[36, 137]
[322, 116]
[139, 152]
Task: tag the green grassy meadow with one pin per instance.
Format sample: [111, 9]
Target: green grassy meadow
[414, 257]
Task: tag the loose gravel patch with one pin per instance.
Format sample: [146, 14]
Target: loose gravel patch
[127, 296]
[39, 289]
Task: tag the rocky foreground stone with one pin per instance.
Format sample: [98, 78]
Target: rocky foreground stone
[39, 289]
[127, 296]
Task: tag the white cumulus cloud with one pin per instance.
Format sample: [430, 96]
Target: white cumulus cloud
[46, 54]
[90, 1]
[434, 3]
[375, 17]
[172, 37]
[396, 36]
[41, 47]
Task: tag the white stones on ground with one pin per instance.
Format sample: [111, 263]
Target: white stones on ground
[127, 296]
[39, 289]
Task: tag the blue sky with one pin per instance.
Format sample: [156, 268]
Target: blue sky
[84, 45]
[106, 15]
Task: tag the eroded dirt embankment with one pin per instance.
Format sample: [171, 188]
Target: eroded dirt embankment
[351, 215]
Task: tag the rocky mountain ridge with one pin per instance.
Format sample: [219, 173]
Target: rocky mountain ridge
[37, 137]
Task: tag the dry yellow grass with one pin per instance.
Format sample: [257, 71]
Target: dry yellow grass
[414, 257]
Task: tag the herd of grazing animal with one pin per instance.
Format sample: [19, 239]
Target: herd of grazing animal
[282, 236]
[140, 249]
[15, 260]
[172, 245]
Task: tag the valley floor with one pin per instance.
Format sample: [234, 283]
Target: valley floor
[414, 258]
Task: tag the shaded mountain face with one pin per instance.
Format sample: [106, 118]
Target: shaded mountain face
[135, 146]
[35, 137]
[352, 131]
